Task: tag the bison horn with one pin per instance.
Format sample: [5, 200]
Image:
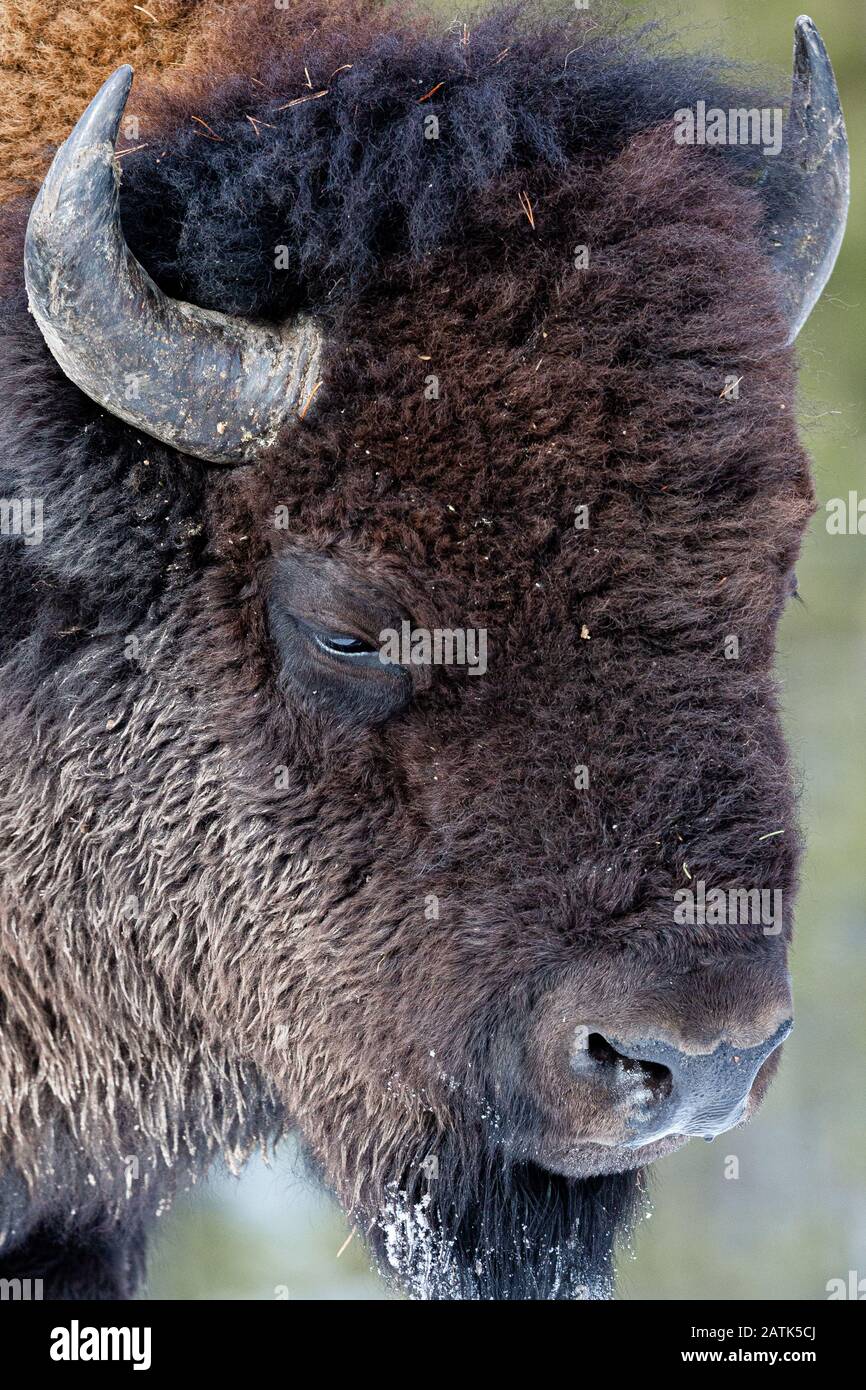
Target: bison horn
[206, 383]
[814, 177]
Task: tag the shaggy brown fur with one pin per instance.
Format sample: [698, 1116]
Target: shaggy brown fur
[53, 57]
[219, 856]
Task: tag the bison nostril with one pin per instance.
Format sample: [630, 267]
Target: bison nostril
[659, 1087]
[616, 1066]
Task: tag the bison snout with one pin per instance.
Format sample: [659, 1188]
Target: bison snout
[661, 1089]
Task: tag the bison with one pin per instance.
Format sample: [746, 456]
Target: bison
[370, 344]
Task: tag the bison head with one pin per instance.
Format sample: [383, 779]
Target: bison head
[404, 762]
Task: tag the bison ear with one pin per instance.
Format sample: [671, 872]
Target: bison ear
[813, 173]
[206, 383]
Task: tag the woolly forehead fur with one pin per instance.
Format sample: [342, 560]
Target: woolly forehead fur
[194, 958]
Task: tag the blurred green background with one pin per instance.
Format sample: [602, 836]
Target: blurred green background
[796, 1215]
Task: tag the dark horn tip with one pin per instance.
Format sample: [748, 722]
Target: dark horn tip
[808, 236]
[113, 92]
[806, 33]
[123, 76]
[101, 120]
[810, 52]
[115, 89]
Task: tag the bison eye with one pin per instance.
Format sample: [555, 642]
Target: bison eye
[343, 644]
[326, 619]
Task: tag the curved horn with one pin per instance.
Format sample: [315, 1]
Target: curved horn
[206, 383]
[807, 238]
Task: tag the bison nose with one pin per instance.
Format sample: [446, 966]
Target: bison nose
[662, 1088]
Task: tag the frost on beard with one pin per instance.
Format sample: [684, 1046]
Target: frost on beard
[426, 1264]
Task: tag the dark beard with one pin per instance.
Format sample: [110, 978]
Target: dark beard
[510, 1231]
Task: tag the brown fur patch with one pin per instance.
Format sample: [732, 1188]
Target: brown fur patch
[54, 57]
